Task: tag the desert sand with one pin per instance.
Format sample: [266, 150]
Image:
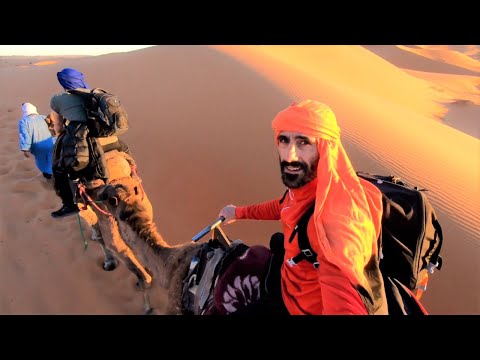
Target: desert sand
[200, 132]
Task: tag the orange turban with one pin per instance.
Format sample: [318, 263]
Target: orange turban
[348, 210]
[309, 117]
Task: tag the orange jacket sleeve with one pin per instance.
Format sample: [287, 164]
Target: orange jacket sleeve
[269, 210]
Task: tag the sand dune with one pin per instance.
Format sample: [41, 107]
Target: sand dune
[460, 95]
[472, 51]
[432, 60]
[200, 132]
[449, 56]
[441, 66]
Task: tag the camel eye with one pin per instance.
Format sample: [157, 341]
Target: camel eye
[103, 195]
[113, 201]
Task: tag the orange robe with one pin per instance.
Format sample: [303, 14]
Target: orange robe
[306, 290]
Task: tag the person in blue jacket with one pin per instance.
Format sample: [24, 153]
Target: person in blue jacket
[35, 139]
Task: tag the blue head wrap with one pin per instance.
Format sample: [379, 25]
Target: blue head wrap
[71, 79]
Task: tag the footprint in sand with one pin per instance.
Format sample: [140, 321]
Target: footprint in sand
[66, 225]
[46, 202]
[4, 123]
[6, 149]
[29, 212]
[18, 266]
[24, 165]
[10, 136]
[26, 188]
[43, 217]
[47, 185]
[11, 147]
[4, 170]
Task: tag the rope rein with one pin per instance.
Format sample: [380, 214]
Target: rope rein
[87, 199]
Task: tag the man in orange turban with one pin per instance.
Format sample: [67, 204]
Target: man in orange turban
[345, 224]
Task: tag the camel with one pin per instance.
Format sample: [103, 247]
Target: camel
[168, 264]
[105, 229]
[238, 283]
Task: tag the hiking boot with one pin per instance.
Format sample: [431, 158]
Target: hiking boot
[65, 210]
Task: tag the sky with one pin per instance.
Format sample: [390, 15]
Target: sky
[48, 50]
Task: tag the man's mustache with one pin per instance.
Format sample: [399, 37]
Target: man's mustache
[303, 166]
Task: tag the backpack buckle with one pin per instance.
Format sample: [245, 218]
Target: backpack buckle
[316, 265]
[307, 252]
[431, 267]
[291, 262]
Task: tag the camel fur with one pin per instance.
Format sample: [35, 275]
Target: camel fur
[168, 264]
[105, 229]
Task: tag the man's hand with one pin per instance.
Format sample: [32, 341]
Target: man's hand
[26, 153]
[228, 212]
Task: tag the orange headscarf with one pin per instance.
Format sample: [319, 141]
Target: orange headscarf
[348, 210]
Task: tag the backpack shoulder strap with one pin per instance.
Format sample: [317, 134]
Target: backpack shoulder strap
[99, 91]
[306, 251]
[380, 178]
[80, 91]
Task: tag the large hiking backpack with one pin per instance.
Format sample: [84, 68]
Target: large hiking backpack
[411, 234]
[106, 114]
[410, 244]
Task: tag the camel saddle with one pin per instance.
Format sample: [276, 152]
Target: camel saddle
[119, 165]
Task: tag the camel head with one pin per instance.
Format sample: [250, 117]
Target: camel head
[124, 199]
[113, 196]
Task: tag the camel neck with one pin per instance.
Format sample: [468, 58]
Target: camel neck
[150, 248]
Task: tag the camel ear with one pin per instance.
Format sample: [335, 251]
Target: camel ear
[113, 201]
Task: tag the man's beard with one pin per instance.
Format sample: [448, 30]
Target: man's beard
[294, 181]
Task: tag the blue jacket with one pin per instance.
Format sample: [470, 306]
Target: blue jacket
[35, 137]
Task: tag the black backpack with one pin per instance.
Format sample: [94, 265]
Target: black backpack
[411, 238]
[106, 114]
[411, 234]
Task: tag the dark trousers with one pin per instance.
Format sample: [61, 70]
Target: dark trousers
[63, 188]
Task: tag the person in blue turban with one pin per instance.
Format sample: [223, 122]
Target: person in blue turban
[70, 108]
[71, 79]
[73, 151]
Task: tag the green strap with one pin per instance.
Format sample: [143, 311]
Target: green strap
[85, 243]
